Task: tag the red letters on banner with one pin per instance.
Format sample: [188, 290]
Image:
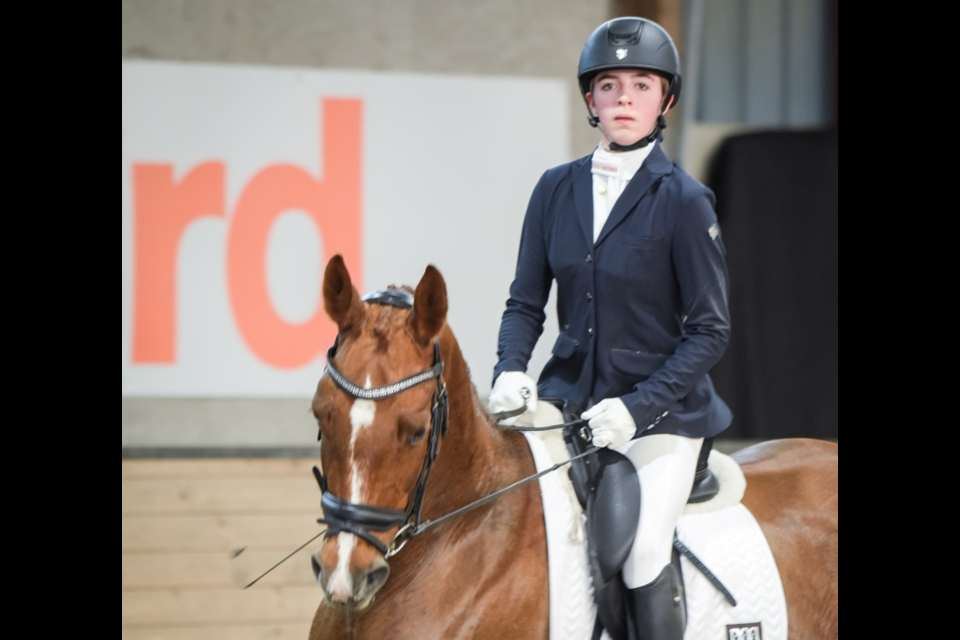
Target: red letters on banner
[163, 210]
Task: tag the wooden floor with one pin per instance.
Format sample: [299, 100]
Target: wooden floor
[183, 521]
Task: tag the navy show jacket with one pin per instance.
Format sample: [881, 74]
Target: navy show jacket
[642, 311]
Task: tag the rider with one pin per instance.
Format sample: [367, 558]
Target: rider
[633, 243]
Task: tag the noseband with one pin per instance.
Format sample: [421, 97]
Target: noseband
[360, 519]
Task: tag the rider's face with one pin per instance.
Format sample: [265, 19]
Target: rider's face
[627, 102]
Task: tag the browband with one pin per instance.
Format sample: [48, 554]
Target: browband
[387, 390]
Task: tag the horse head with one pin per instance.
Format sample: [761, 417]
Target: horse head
[373, 451]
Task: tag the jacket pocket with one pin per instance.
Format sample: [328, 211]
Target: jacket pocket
[643, 242]
[564, 347]
[637, 363]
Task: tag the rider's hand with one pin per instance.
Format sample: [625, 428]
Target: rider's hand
[507, 393]
[611, 423]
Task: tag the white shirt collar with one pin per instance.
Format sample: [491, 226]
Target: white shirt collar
[619, 164]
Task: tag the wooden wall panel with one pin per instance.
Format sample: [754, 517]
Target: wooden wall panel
[216, 532]
[218, 468]
[289, 605]
[245, 632]
[182, 522]
[222, 495]
[170, 570]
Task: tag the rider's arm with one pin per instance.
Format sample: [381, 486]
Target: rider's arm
[523, 319]
[699, 263]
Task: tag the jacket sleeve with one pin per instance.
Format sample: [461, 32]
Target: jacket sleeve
[522, 321]
[699, 264]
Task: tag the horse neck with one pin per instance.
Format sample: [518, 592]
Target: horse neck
[473, 460]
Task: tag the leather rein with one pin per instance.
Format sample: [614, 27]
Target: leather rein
[361, 519]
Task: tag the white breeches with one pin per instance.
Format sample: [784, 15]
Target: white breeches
[666, 465]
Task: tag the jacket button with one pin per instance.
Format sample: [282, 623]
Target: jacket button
[589, 296]
[590, 331]
[589, 258]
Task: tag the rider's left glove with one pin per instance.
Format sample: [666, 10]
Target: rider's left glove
[611, 423]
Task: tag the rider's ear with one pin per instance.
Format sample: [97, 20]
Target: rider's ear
[340, 299]
[429, 306]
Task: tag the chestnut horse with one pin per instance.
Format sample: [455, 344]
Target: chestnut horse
[483, 575]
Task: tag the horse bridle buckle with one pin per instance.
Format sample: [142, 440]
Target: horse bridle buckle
[393, 549]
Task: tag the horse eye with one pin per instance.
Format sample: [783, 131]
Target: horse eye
[416, 436]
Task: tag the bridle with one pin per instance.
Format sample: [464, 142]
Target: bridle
[361, 519]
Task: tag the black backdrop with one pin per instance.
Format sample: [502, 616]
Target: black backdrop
[777, 201]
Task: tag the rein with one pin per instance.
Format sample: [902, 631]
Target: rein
[355, 517]
[430, 524]
[361, 519]
[585, 431]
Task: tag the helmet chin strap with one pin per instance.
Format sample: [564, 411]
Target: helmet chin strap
[644, 141]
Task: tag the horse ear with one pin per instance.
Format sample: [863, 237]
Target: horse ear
[340, 299]
[429, 306]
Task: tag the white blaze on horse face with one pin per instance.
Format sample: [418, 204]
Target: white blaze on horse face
[340, 587]
[361, 416]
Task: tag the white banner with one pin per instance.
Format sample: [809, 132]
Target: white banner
[239, 183]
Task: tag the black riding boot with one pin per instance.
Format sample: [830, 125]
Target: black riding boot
[658, 610]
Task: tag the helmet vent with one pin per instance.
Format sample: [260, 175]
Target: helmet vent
[624, 32]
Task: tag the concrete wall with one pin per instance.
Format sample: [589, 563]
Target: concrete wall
[517, 38]
[533, 38]
[496, 37]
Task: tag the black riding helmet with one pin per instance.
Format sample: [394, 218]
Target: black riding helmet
[631, 43]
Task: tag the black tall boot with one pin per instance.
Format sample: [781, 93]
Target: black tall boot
[658, 610]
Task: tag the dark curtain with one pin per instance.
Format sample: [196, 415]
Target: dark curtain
[777, 201]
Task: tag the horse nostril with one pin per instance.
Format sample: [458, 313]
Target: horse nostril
[377, 577]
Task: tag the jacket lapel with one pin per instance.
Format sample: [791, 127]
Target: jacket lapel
[656, 165]
[583, 196]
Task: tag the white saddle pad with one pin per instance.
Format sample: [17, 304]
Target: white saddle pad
[722, 533]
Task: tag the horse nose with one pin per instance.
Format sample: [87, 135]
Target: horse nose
[353, 587]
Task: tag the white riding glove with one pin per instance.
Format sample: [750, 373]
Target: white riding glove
[512, 390]
[611, 423]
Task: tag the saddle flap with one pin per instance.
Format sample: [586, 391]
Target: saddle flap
[613, 510]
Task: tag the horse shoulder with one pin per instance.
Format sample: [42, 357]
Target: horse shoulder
[517, 589]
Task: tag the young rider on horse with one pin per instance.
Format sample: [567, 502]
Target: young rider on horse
[634, 246]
